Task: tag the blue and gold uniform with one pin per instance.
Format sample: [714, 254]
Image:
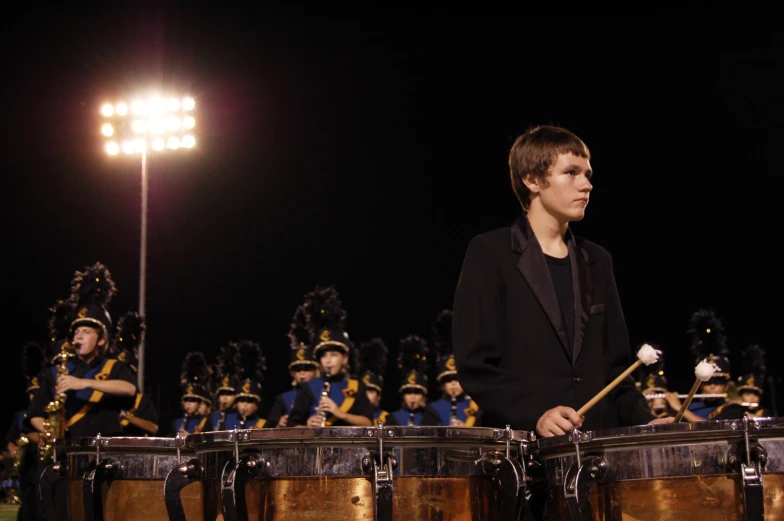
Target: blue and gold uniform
[413, 363]
[194, 380]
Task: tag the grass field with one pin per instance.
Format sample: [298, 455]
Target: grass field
[8, 512]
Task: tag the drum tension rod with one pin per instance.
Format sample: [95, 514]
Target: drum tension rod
[182, 475]
[236, 475]
[382, 465]
[751, 472]
[581, 478]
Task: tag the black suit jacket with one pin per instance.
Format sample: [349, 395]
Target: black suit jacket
[510, 342]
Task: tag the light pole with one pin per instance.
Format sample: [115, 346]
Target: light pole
[157, 124]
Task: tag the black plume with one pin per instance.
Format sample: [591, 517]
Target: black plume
[413, 355]
[441, 330]
[94, 285]
[195, 369]
[129, 333]
[323, 309]
[754, 362]
[253, 363]
[227, 362]
[707, 335]
[298, 329]
[373, 356]
[33, 360]
[60, 318]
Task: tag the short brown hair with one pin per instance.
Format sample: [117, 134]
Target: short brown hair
[535, 151]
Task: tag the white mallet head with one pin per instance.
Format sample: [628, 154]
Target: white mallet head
[648, 354]
[704, 371]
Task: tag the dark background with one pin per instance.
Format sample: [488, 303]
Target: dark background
[365, 152]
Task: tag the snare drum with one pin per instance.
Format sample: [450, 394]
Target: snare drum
[381, 473]
[705, 471]
[120, 478]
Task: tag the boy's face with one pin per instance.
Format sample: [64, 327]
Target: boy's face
[247, 408]
[565, 191]
[203, 408]
[749, 397]
[88, 339]
[190, 406]
[714, 387]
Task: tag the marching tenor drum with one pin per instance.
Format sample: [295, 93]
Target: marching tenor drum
[120, 478]
[713, 470]
[369, 473]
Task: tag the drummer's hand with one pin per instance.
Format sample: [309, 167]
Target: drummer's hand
[659, 421]
[315, 421]
[673, 400]
[327, 405]
[123, 414]
[284, 420]
[559, 420]
[70, 383]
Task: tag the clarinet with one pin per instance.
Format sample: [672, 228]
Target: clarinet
[184, 426]
[453, 410]
[411, 418]
[222, 421]
[242, 422]
[325, 394]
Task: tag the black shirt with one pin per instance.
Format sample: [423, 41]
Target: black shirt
[144, 409]
[561, 273]
[95, 413]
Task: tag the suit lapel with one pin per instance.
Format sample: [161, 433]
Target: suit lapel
[533, 266]
[583, 288]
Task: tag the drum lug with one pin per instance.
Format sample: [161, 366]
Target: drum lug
[510, 474]
[579, 481]
[178, 478]
[104, 471]
[383, 469]
[753, 500]
[233, 481]
[51, 475]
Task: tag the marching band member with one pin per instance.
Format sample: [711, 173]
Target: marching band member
[413, 363]
[334, 398]
[194, 379]
[302, 368]
[225, 384]
[252, 363]
[372, 366]
[455, 408]
[22, 440]
[139, 418]
[96, 387]
[748, 388]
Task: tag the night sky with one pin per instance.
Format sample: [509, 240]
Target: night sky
[365, 153]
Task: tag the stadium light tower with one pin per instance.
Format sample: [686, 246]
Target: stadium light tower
[157, 124]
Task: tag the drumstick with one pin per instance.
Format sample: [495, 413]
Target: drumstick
[646, 355]
[703, 371]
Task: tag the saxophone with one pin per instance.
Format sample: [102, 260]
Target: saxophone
[21, 445]
[54, 425]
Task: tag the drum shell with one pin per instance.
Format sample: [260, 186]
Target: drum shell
[137, 492]
[319, 473]
[666, 472]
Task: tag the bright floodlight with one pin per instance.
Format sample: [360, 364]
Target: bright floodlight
[112, 148]
[172, 123]
[107, 110]
[107, 130]
[174, 143]
[128, 147]
[122, 109]
[188, 141]
[173, 104]
[158, 144]
[188, 122]
[157, 106]
[138, 126]
[188, 104]
[138, 107]
[140, 145]
[156, 126]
